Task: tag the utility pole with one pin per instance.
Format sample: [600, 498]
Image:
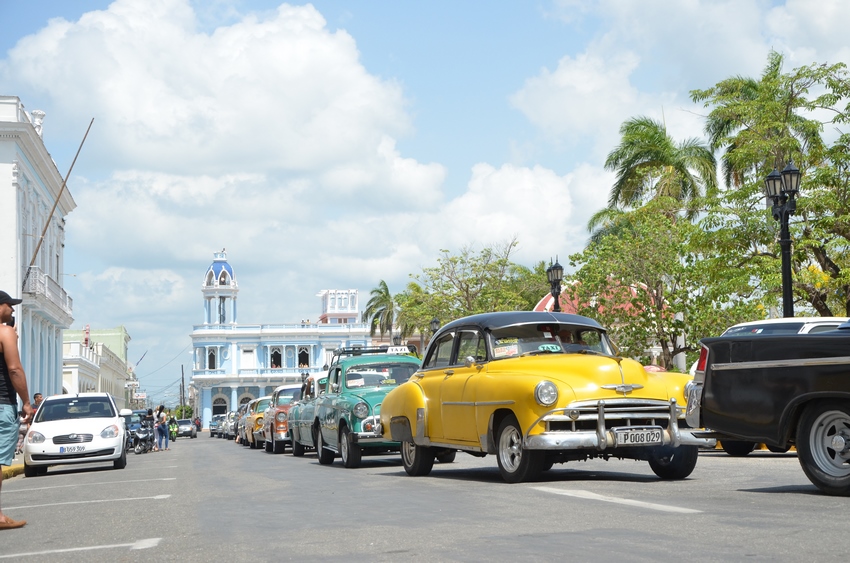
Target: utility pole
[182, 386]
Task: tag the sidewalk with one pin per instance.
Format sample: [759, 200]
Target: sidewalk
[17, 467]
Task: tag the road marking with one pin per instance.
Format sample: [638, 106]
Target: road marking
[616, 500]
[157, 497]
[141, 544]
[88, 485]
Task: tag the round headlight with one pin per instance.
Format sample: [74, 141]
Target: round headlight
[546, 393]
[35, 437]
[281, 416]
[361, 410]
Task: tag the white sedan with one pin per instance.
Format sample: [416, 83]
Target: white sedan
[81, 428]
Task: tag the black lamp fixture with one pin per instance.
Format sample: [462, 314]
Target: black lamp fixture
[435, 325]
[783, 189]
[555, 273]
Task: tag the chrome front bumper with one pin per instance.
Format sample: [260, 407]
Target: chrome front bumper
[602, 437]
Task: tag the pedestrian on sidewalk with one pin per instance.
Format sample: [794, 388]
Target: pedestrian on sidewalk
[13, 381]
[161, 428]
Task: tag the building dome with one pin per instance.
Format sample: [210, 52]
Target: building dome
[220, 273]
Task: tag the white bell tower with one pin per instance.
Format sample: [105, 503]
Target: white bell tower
[220, 289]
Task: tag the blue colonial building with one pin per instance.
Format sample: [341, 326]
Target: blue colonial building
[234, 363]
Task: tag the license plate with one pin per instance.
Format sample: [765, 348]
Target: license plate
[71, 449]
[642, 436]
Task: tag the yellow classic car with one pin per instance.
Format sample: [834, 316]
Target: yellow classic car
[535, 389]
[254, 436]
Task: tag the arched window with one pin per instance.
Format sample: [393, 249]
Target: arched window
[211, 359]
[303, 357]
[219, 405]
[276, 358]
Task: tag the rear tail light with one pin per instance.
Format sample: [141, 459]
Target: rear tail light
[703, 359]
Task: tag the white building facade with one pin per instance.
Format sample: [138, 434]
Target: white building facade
[96, 361]
[234, 363]
[32, 202]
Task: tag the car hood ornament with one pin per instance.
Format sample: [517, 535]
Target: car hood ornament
[624, 388]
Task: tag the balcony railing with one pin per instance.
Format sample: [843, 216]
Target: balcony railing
[39, 283]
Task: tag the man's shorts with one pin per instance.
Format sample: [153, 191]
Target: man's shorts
[10, 422]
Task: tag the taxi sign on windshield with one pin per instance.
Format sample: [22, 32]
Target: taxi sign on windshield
[398, 350]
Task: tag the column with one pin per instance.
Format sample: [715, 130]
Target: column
[206, 407]
[234, 397]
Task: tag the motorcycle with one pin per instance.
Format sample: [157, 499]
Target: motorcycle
[143, 440]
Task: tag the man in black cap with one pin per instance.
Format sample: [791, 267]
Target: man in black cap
[12, 381]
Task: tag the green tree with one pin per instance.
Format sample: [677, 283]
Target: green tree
[471, 282]
[649, 164]
[656, 281]
[761, 124]
[381, 310]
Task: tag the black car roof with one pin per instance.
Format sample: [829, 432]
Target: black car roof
[489, 321]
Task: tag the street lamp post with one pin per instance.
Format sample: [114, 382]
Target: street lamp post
[555, 273]
[783, 189]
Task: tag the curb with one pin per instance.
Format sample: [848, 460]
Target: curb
[13, 470]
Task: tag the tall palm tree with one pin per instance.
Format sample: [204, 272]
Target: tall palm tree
[381, 310]
[650, 164]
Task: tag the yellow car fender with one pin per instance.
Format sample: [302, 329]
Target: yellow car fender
[402, 413]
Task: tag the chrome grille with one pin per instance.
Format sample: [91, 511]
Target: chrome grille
[72, 439]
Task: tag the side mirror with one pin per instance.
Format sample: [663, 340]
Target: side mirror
[125, 412]
[469, 361]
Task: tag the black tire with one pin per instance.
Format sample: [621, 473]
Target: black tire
[278, 447]
[138, 449]
[446, 456]
[297, 447]
[267, 445]
[547, 464]
[674, 463]
[515, 463]
[737, 448]
[417, 460]
[212, 435]
[778, 449]
[121, 462]
[30, 471]
[350, 452]
[252, 443]
[823, 446]
[326, 456]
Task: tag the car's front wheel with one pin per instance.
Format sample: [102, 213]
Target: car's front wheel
[515, 463]
[737, 448]
[277, 447]
[823, 446]
[349, 451]
[121, 462]
[326, 456]
[417, 460]
[297, 447]
[674, 463]
[30, 471]
[447, 456]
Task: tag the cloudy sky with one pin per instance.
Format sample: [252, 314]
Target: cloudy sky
[337, 144]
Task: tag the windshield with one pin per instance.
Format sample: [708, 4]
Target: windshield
[75, 407]
[262, 405]
[286, 396]
[531, 339]
[388, 374]
[775, 328]
[184, 422]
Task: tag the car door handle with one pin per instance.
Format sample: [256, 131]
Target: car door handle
[449, 372]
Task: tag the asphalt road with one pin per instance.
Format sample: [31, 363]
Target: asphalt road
[211, 500]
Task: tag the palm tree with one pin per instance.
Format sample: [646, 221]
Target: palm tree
[381, 310]
[650, 164]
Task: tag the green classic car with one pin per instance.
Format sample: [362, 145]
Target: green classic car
[348, 408]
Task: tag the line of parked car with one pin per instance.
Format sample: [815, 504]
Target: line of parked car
[532, 388]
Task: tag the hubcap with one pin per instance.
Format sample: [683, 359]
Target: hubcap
[343, 445]
[829, 441]
[408, 452]
[510, 449]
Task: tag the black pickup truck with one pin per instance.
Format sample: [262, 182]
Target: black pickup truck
[780, 390]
